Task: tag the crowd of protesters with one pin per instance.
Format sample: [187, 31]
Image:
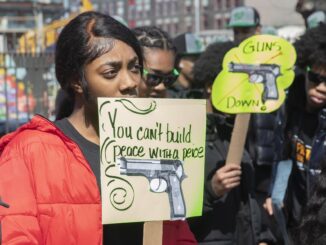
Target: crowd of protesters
[50, 172]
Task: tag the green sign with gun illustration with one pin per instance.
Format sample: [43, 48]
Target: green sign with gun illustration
[255, 75]
[152, 161]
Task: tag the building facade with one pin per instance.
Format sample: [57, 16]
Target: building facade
[19, 16]
[201, 17]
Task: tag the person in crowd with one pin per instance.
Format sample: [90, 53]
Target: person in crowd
[306, 123]
[315, 19]
[231, 214]
[188, 47]
[50, 171]
[307, 8]
[245, 22]
[306, 118]
[262, 143]
[158, 74]
[159, 58]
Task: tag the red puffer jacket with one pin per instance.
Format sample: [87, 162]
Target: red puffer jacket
[52, 192]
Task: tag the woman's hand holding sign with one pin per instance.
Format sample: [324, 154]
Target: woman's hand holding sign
[226, 178]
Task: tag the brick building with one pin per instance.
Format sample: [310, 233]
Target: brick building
[207, 17]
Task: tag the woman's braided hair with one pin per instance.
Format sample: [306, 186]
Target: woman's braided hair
[154, 37]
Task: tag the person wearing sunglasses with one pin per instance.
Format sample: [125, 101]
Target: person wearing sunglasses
[159, 57]
[158, 74]
[188, 49]
[316, 87]
[305, 135]
[155, 78]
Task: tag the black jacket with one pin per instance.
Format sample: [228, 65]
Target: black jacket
[308, 137]
[235, 217]
[305, 136]
[265, 142]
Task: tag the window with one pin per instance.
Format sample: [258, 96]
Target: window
[111, 8]
[147, 6]
[204, 3]
[218, 24]
[227, 20]
[218, 4]
[168, 28]
[120, 11]
[228, 4]
[131, 12]
[188, 3]
[188, 9]
[139, 23]
[176, 27]
[144, 14]
[174, 7]
[165, 9]
[147, 22]
[172, 31]
[139, 6]
[158, 9]
[188, 20]
[205, 22]
[164, 27]
[168, 7]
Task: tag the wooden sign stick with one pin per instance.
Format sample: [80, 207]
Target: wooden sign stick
[153, 233]
[238, 138]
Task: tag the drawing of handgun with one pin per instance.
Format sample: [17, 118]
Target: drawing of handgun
[163, 176]
[263, 73]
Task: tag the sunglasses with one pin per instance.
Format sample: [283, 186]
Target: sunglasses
[315, 78]
[153, 79]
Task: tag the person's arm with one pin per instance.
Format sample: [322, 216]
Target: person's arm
[268, 202]
[219, 177]
[19, 223]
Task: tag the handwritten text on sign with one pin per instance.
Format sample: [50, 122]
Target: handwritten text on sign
[255, 75]
[152, 160]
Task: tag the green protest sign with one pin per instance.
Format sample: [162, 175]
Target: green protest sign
[255, 75]
[152, 159]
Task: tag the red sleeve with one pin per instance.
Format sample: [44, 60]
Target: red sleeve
[177, 233]
[19, 223]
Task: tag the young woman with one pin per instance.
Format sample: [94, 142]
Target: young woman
[159, 58]
[50, 172]
[158, 74]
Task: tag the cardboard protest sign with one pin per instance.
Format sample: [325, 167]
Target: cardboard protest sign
[152, 158]
[255, 75]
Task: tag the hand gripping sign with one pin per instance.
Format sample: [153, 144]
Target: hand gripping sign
[254, 78]
[255, 75]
